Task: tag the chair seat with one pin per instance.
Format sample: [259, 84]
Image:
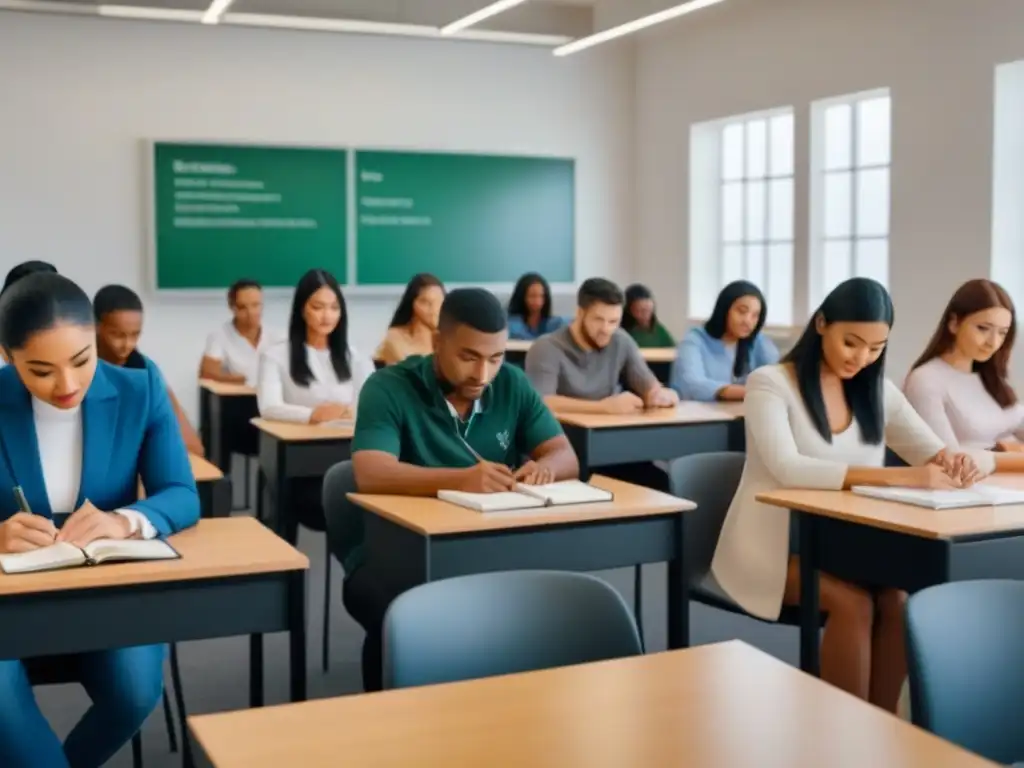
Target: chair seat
[707, 594]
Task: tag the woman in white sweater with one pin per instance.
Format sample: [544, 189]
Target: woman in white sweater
[960, 384]
[822, 419]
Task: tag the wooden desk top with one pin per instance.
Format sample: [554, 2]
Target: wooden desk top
[223, 547]
[659, 354]
[514, 345]
[716, 706]
[224, 389]
[435, 517]
[906, 518]
[291, 432]
[687, 412]
[203, 470]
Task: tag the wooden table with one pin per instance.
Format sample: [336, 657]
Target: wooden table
[659, 359]
[657, 434]
[291, 451]
[416, 540]
[717, 706]
[884, 543]
[214, 489]
[235, 577]
[225, 411]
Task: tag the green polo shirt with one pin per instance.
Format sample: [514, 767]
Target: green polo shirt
[402, 411]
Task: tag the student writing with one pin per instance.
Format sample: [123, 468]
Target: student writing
[118, 329]
[454, 420]
[822, 419]
[412, 327]
[640, 319]
[579, 368]
[960, 384]
[713, 362]
[233, 351]
[77, 435]
[529, 309]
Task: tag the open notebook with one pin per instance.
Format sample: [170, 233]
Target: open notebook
[529, 496]
[65, 555]
[981, 495]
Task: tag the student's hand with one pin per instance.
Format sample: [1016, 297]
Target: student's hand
[1010, 446]
[22, 532]
[532, 473]
[662, 397]
[487, 477]
[87, 523]
[623, 403]
[329, 412]
[959, 466]
[930, 477]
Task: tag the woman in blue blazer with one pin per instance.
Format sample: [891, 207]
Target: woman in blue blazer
[77, 435]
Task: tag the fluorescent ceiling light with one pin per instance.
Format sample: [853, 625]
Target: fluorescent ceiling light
[484, 13]
[526, 38]
[215, 11]
[42, 6]
[329, 25]
[634, 26]
[156, 14]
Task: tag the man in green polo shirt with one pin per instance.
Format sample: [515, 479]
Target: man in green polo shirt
[455, 420]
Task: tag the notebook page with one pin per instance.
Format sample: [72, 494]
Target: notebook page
[42, 559]
[490, 502]
[134, 549]
[567, 492]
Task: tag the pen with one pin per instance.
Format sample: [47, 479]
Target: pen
[19, 496]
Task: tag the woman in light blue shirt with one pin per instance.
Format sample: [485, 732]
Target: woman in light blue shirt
[713, 362]
[529, 309]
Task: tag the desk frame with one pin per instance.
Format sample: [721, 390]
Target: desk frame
[218, 416]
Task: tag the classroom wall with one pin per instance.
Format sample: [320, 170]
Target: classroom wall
[78, 95]
[939, 59]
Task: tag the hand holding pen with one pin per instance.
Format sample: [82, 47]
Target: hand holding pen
[24, 531]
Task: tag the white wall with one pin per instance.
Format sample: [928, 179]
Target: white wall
[937, 56]
[78, 95]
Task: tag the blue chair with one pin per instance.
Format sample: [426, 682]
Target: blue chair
[502, 623]
[965, 658]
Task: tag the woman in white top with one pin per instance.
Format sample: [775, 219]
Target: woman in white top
[233, 351]
[314, 376]
[822, 419]
[960, 384]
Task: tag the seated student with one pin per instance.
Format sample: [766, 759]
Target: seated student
[713, 362]
[960, 385]
[822, 419]
[641, 321]
[529, 309]
[78, 435]
[415, 321]
[457, 419]
[118, 327]
[17, 272]
[579, 368]
[314, 376]
[233, 350]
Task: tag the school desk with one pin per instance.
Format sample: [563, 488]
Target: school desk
[214, 489]
[416, 540]
[658, 359]
[725, 705]
[887, 544]
[602, 440]
[225, 411]
[289, 452]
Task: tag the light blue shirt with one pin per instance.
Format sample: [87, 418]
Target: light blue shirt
[520, 331]
[703, 364]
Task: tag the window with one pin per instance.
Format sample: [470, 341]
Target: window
[742, 210]
[1008, 180]
[850, 160]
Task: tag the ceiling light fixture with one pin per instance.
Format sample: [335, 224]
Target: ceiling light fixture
[215, 11]
[634, 26]
[477, 16]
[314, 23]
[154, 14]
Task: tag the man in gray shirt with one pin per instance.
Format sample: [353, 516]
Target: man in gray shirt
[579, 368]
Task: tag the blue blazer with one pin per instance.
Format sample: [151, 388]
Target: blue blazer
[129, 431]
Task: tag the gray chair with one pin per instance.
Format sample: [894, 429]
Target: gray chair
[965, 659]
[339, 481]
[502, 623]
[710, 481]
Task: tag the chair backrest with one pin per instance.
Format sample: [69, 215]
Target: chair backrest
[343, 518]
[709, 480]
[501, 623]
[965, 658]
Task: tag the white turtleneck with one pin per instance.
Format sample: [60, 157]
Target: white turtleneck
[59, 433]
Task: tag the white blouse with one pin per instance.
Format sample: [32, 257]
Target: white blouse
[236, 354]
[281, 399]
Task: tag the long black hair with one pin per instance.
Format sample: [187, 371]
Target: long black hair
[337, 341]
[38, 302]
[404, 312]
[718, 323]
[637, 292]
[517, 304]
[858, 300]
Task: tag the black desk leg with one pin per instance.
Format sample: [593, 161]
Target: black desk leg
[678, 595]
[297, 634]
[287, 524]
[810, 612]
[638, 600]
[256, 670]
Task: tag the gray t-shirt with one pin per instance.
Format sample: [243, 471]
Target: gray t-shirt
[557, 365]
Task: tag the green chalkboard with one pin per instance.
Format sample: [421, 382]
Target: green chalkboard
[466, 218]
[266, 213]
